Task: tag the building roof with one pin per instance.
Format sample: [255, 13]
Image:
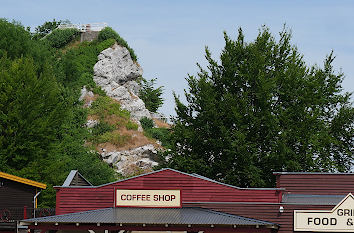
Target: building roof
[313, 173]
[22, 180]
[312, 199]
[156, 216]
[170, 169]
[76, 179]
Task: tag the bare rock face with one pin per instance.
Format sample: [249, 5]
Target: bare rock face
[116, 73]
[125, 162]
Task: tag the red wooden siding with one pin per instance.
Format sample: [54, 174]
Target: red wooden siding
[321, 184]
[193, 190]
[266, 212]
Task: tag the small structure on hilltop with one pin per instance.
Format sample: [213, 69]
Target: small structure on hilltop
[89, 32]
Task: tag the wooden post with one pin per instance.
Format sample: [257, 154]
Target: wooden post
[24, 212]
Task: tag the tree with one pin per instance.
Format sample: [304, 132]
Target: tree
[150, 95]
[261, 110]
[32, 109]
[46, 28]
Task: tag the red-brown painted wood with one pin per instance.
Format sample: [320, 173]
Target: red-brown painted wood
[193, 189]
[317, 184]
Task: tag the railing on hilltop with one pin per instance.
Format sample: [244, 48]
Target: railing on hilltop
[15, 214]
[91, 27]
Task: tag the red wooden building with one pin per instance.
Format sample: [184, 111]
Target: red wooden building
[169, 200]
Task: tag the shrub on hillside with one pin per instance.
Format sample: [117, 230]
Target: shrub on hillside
[61, 37]
[114, 137]
[109, 33]
[161, 134]
[147, 123]
[78, 63]
[151, 95]
[131, 125]
[104, 105]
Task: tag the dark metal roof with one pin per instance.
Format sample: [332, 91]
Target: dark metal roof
[178, 216]
[312, 199]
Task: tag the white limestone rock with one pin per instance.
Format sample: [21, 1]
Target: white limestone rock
[142, 157]
[115, 64]
[92, 123]
[115, 72]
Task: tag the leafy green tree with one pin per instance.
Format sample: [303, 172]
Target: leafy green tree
[46, 28]
[151, 95]
[32, 109]
[41, 120]
[261, 109]
[61, 37]
[14, 39]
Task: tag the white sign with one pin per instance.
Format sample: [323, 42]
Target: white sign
[339, 219]
[148, 198]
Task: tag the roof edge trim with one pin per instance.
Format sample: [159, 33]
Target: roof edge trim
[23, 180]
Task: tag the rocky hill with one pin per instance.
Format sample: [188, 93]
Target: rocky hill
[116, 74]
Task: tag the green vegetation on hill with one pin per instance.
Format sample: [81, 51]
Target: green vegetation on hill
[151, 95]
[41, 120]
[61, 37]
[109, 33]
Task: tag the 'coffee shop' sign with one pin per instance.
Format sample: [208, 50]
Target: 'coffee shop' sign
[148, 198]
[339, 219]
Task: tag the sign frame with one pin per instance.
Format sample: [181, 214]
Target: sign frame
[142, 206]
[325, 214]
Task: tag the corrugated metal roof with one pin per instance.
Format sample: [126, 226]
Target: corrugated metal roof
[178, 216]
[312, 199]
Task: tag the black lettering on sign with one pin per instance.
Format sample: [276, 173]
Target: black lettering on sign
[309, 220]
[317, 221]
[350, 222]
[322, 221]
[333, 221]
[325, 221]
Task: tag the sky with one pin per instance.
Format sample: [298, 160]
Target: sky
[169, 37]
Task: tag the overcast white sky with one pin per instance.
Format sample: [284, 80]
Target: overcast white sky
[169, 36]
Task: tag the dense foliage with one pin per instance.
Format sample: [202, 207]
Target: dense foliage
[109, 33]
[151, 95]
[261, 110]
[161, 134]
[46, 28]
[41, 120]
[61, 37]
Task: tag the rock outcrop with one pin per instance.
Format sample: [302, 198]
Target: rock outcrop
[116, 73]
[128, 161]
